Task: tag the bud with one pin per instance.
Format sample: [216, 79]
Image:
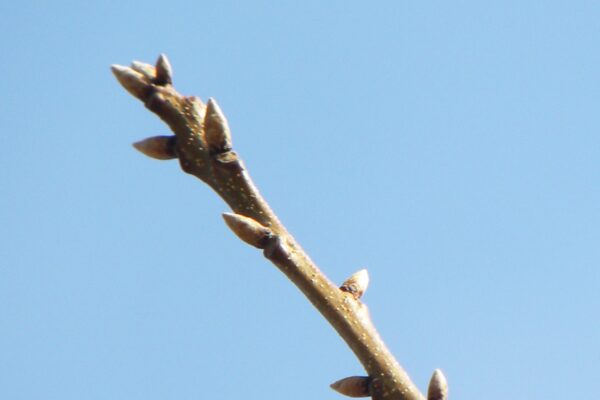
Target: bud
[164, 72]
[134, 82]
[353, 386]
[248, 230]
[216, 129]
[145, 69]
[158, 147]
[438, 386]
[198, 107]
[357, 284]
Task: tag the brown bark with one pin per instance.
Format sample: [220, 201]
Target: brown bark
[202, 143]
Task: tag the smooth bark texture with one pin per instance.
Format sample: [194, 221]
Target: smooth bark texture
[202, 143]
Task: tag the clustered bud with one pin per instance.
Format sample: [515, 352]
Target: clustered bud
[133, 81]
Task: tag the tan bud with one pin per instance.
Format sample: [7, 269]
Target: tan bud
[134, 82]
[438, 386]
[357, 284]
[145, 69]
[164, 72]
[158, 147]
[249, 230]
[198, 106]
[353, 386]
[216, 128]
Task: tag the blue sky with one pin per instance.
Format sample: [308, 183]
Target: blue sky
[451, 148]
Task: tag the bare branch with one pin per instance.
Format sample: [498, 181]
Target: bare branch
[203, 146]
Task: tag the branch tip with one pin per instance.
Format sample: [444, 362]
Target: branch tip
[157, 147]
[164, 72]
[438, 386]
[216, 128]
[203, 135]
[147, 70]
[357, 284]
[248, 229]
[133, 81]
[353, 386]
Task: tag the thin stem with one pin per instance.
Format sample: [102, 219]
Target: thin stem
[222, 169]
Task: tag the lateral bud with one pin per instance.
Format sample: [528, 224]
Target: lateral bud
[158, 147]
[353, 386]
[133, 81]
[248, 229]
[164, 72]
[438, 386]
[198, 106]
[357, 284]
[216, 129]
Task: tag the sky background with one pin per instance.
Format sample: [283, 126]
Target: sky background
[451, 148]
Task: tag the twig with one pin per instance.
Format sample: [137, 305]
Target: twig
[203, 145]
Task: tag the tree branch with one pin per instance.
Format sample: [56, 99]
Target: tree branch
[202, 143]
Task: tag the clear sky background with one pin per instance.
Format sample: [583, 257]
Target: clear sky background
[452, 148]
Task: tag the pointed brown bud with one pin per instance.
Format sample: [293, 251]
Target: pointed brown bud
[198, 106]
[133, 81]
[438, 386]
[164, 72]
[353, 386]
[216, 129]
[159, 147]
[145, 69]
[247, 229]
[357, 284]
